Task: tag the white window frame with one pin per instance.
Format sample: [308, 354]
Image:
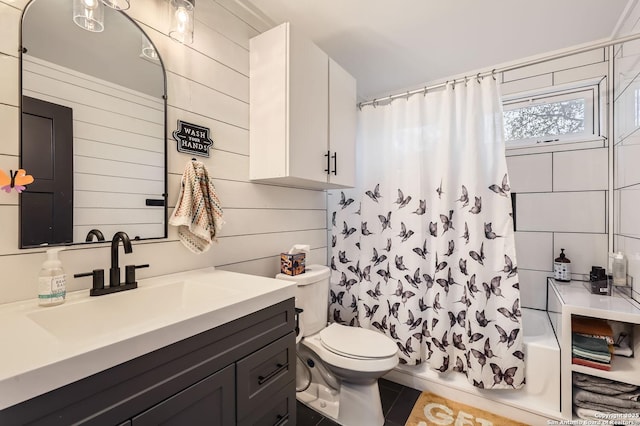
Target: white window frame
[589, 91]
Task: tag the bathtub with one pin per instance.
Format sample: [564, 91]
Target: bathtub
[541, 394]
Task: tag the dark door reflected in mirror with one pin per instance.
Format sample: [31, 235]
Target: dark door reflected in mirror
[93, 129]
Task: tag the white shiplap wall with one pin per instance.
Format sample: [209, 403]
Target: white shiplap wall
[208, 84]
[561, 199]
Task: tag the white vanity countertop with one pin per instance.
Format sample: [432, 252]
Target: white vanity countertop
[581, 301]
[44, 348]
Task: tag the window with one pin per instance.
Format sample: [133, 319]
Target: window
[559, 116]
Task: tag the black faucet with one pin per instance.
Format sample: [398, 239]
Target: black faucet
[94, 233]
[114, 272]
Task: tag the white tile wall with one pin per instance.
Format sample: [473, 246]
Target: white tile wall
[562, 212]
[534, 250]
[530, 173]
[584, 250]
[533, 288]
[627, 171]
[207, 84]
[584, 170]
[629, 203]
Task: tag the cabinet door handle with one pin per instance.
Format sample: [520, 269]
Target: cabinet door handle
[281, 419]
[280, 367]
[335, 163]
[328, 155]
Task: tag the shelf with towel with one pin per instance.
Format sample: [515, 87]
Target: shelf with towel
[572, 300]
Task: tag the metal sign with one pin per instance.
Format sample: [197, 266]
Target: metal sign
[192, 139]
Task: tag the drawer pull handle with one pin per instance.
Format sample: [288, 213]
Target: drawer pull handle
[263, 379]
[282, 419]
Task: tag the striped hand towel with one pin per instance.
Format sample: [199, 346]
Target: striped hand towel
[198, 214]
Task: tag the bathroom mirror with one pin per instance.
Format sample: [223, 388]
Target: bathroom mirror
[93, 129]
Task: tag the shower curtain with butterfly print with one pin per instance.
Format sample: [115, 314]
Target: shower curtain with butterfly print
[423, 248]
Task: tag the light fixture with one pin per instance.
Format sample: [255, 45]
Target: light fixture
[148, 49]
[182, 21]
[117, 4]
[89, 15]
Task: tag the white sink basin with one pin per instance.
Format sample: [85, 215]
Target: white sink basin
[131, 309]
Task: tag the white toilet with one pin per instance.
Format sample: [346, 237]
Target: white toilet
[338, 366]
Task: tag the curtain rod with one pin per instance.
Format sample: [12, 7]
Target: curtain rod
[504, 69]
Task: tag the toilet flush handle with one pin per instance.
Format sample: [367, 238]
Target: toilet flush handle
[298, 312]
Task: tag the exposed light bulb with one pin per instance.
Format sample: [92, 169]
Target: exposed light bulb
[90, 4]
[182, 21]
[89, 14]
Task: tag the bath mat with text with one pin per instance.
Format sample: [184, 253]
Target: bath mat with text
[432, 409]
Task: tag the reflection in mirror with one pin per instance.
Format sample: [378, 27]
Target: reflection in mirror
[93, 129]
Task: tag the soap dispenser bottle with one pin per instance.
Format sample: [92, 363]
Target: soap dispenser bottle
[52, 280]
[562, 268]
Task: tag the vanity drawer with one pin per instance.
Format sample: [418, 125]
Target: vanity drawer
[280, 411]
[261, 374]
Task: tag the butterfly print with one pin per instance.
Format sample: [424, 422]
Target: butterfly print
[447, 222]
[457, 341]
[422, 251]
[365, 273]
[464, 299]
[440, 265]
[334, 240]
[446, 283]
[434, 321]
[501, 189]
[404, 233]
[17, 180]
[428, 280]
[393, 333]
[475, 337]
[477, 384]
[333, 263]
[393, 309]
[466, 233]
[462, 264]
[359, 209]
[400, 263]
[369, 311]
[405, 295]
[388, 247]
[385, 221]
[483, 356]
[333, 218]
[509, 269]
[376, 292]
[439, 190]
[344, 282]
[464, 198]
[402, 200]
[336, 297]
[412, 322]
[355, 270]
[346, 231]
[354, 322]
[422, 208]
[441, 344]
[514, 314]
[375, 194]
[471, 285]
[336, 317]
[418, 336]
[436, 307]
[519, 355]
[415, 280]
[459, 367]
[499, 376]
[422, 305]
[433, 229]
[460, 318]
[342, 257]
[488, 232]
[425, 330]
[378, 259]
[478, 257]
[382, 325]
[357, 245]
[384, 273]
[510, 339]
[445, 364]
[481, 319]
[364, 230]
[354, 304]
[477, 206]
[344, 202]
[452, 246]
[494, 287]
[516, 285]
[406, 348]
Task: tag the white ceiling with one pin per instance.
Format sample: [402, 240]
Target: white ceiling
[391, 46]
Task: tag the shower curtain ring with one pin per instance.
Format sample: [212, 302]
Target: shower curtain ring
[466, 80]
[360, 106]
[453, 84]
[425, 90]
[493, 74]
[374, 103]
[408, 94]
[478, 78]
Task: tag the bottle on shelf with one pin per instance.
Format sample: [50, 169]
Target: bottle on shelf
[562, 268]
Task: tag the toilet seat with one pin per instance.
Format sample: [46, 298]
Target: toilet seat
[356, 342]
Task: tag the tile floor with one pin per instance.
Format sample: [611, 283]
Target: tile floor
[397, 403]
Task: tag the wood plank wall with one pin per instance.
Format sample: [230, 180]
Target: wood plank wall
[208, 84]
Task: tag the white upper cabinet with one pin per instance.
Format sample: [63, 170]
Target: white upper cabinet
[302, 113]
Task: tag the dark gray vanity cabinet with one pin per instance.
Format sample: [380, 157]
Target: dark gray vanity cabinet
[242, 372]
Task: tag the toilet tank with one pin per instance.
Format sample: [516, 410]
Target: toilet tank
[312, 295]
